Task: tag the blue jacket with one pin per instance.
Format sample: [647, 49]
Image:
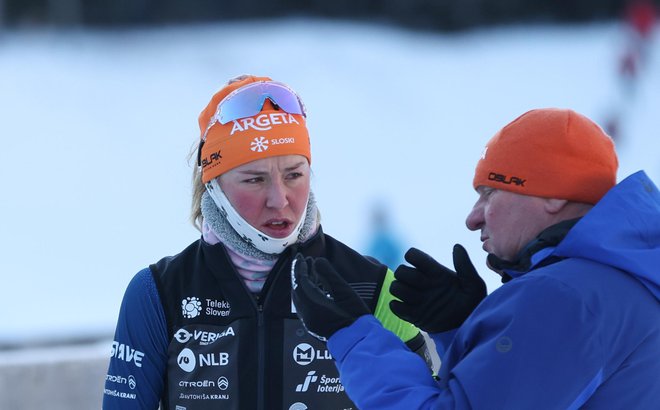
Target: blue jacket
[583, 331]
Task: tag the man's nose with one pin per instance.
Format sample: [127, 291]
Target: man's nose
[475, 219]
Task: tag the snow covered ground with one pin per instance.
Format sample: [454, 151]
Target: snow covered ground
[96, 127]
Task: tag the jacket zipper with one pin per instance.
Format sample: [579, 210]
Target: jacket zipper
[260, 301]
[261, 343]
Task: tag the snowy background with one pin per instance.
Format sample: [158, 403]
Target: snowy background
[96, 128]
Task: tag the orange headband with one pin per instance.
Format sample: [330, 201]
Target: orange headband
[269, 133]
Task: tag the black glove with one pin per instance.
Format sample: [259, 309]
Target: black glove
[433, 297]
[324, 301]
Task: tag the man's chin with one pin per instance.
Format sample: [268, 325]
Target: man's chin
[492, 257]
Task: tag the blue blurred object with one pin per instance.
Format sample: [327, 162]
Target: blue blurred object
[383, 243]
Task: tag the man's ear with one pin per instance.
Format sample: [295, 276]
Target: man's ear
[554, 205]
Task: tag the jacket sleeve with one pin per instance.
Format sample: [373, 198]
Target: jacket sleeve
[442, 341]
[380, 372]
[531, 345]
[138, 361]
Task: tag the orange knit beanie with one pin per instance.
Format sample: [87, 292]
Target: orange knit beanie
[551, 153]
[269, 133]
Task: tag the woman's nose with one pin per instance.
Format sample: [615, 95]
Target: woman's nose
[277, 195]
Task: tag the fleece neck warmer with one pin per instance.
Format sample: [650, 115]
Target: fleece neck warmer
[252, 264]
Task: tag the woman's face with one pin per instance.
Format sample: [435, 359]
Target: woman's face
[271, 193]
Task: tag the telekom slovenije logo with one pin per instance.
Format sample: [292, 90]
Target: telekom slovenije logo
[191, 307]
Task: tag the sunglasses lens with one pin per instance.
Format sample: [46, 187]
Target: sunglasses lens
[249, 100]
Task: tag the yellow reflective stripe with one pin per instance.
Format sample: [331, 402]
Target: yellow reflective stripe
[406, 331]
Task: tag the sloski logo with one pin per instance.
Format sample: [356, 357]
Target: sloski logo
[260, 144]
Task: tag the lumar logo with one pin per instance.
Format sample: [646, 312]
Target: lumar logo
[506, 180]
[215, 156]
[304, 354]
[263, 122]
[260, 144]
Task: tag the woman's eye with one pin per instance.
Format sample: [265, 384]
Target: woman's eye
[294, 175]
[254, 180]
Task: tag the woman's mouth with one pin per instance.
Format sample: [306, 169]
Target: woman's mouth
[278, 228]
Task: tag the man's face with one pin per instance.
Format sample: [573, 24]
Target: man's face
[507, 221]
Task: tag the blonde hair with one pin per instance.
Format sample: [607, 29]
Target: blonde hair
[197, 191]
[197, 184]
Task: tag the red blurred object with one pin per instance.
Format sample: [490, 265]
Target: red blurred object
[641, 15]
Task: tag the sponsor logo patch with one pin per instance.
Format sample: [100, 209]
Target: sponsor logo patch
[260, 144]
[202, 336]
[304, 354]
[191, 307]
[320, 384]
[130, 380]
[126, 353]
[263, 122]
[188, 361]
[506, 179]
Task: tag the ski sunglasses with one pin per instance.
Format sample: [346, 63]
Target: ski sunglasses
[249, 100]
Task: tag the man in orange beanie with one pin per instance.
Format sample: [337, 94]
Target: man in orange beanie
[576, 322]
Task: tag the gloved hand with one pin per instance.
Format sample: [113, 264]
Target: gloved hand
[324, 301]
[433, 297]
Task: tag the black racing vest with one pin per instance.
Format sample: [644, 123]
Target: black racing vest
[231, 350]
